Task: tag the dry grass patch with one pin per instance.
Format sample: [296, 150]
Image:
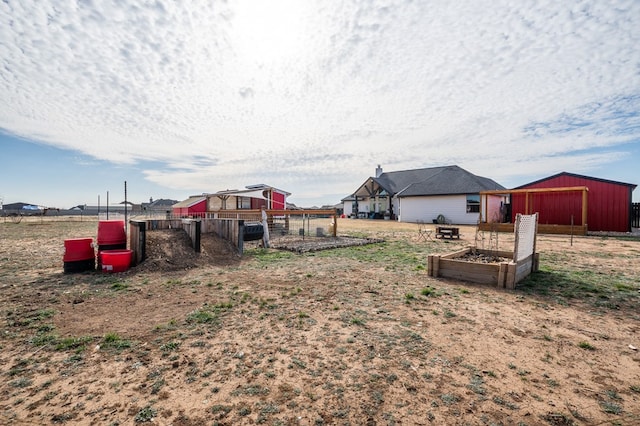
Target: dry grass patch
[353, 335]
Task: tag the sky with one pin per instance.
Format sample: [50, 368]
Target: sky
[184, 98]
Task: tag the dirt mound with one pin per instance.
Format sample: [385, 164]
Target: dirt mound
[171, 250]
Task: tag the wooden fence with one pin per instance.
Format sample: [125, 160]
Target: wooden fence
[281, 223]
[542, 228]
[138, 241]
[229, 229]
[229, 225]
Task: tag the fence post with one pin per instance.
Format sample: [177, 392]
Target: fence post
[265, 229]
[138, 240]
[516, 241]
[502, 274]
[435, 263]
[198, 229]
[335, 225]
[241, 236]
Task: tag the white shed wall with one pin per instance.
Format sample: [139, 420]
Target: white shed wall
[453, 207]
[347, 207]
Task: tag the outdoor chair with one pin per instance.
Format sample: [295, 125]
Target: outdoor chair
[424, 233]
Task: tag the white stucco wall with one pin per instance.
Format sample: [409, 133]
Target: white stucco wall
[453, 207]
[363, 206]
[396, 206]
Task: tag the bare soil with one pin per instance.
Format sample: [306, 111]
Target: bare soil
[354, 336]
[482, 258]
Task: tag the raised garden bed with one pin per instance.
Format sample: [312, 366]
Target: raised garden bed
[491, 267]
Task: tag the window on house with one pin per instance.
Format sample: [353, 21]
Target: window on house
[473, 203]
[243, 203]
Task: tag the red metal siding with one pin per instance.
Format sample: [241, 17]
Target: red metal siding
[180, 211]
[199, 207]
[258, 203]
[194, 210]
[554, 208]
[278, 201]
[608, 203]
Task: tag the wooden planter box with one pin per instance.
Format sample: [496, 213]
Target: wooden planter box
[501, 275]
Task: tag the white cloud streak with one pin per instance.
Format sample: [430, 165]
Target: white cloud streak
[310, 96]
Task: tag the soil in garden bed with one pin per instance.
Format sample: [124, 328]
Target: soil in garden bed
[482, 258]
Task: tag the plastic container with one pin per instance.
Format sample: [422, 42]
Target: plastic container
[111, 236]
[78, 249]
[111, 232]
[115, 260]
[79, 255]
[253, 231]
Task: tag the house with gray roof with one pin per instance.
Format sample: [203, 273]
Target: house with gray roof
[449, 192]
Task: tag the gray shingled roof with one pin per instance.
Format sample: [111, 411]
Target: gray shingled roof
[395, 182]
[447, 180]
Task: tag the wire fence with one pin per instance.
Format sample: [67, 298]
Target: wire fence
[305, 226]
[284, 227]
[64, 217]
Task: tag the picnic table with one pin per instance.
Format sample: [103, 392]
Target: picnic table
[450, 232]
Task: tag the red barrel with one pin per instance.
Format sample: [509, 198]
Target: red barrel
[115, 260]
[79, 255]
[111, 232]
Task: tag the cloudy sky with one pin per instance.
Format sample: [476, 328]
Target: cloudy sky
[180, 98]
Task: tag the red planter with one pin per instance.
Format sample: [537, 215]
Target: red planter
[78, 249]
[115, 260]
[79, 255]
[111, 232]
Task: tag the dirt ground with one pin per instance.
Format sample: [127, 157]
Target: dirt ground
[348, 336]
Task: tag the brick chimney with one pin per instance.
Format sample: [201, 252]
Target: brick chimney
[378, 171]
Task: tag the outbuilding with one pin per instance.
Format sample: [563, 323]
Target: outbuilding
[605, 205]
[194, 206]
[254, 197]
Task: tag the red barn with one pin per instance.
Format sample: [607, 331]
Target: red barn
[608, 202]
[194, 206]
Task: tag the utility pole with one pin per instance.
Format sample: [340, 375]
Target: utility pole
[125, 210]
